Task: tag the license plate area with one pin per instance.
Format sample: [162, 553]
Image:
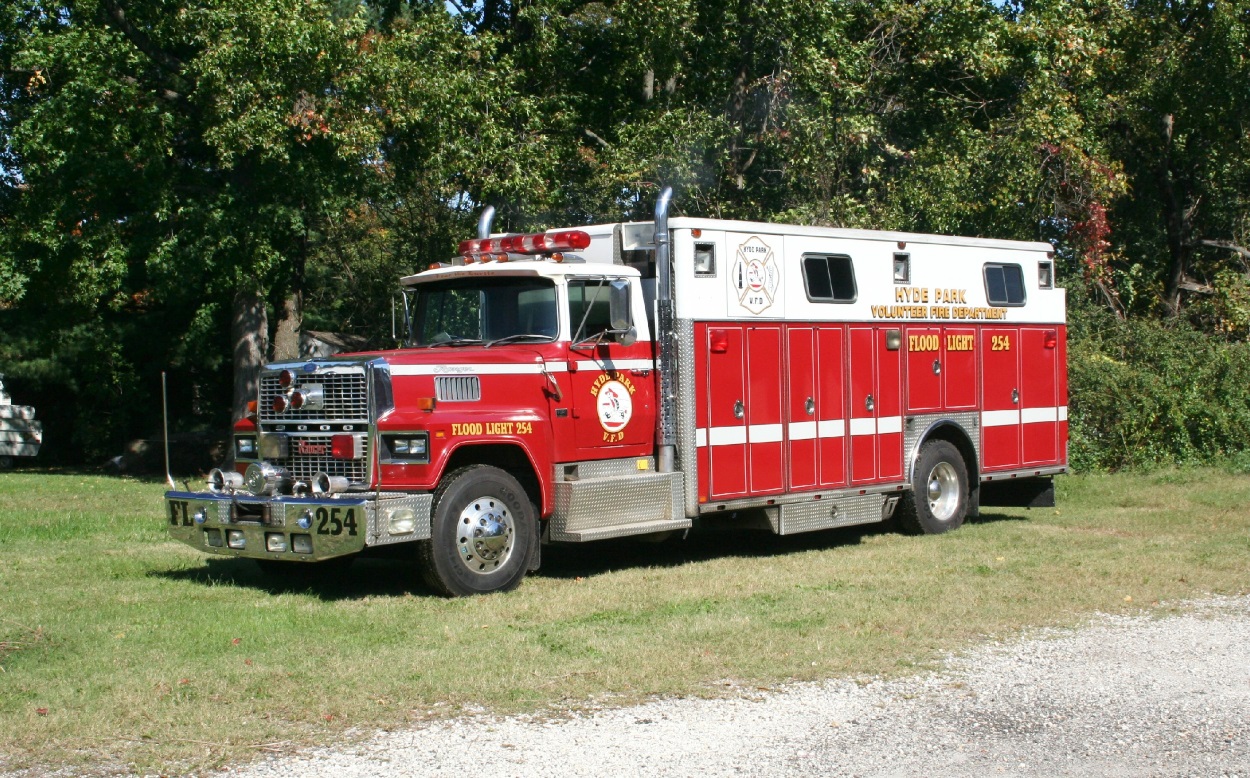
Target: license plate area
[243, 512]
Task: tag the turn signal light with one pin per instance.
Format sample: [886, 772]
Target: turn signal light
[425, 403]
[347, 446]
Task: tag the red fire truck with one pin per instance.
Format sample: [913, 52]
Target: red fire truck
[632, 379]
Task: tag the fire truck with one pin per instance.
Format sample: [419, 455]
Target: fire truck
[635, 379]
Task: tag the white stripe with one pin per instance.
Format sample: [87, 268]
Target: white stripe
[700, 437]
[831, 428]
[765, 433]
[605, 365]
[1034, 415]
[486, 369]
[863, 427]
[999, 418]
[727, 436]
[802, 430]
[557, 366]
[1063, 413]
[888, 424]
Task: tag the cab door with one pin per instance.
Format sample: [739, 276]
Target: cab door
[613, 395]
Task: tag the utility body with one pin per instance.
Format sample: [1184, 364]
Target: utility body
[631, 379]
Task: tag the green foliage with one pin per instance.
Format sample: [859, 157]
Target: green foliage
[1146, 393]
[156, 158]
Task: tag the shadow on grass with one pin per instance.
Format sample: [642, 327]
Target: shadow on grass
[367, 577]
[396, 576]
[993, 516]
[586, 560]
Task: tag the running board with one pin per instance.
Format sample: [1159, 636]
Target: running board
[845, 511]
[617, 506]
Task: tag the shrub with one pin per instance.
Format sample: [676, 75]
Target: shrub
[1146, 393]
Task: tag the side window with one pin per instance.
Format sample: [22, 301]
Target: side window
[1004, 284]
[589, 309]
[829, 278]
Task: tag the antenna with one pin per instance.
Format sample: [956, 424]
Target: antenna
[169, 479]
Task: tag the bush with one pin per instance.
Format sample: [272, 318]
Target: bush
[1147, 393]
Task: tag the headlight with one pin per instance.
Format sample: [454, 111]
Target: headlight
[413, 446]
[245, 447]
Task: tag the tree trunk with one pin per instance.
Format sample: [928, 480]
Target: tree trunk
[249, 327]
[1175, 220]
[287, 331]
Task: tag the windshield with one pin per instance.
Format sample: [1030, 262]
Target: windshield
[483, 310]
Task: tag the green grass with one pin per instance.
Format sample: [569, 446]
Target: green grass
[121, 647]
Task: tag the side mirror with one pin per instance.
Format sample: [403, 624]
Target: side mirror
[621, 320]
[618, 305]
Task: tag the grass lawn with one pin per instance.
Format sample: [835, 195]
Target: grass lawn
[120, 647]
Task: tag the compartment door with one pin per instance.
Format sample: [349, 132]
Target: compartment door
[801, 406]
[1039, 395]
[726, 408]
[831, 396]
[765, 431]
[1000, 392]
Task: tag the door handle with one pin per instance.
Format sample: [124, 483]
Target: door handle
[1015, 396]
[869, 404]
[810, 407]
[740, 410]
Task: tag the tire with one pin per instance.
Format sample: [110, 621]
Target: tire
[938, 501]
[481, 535]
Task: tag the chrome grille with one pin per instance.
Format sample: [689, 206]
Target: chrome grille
[302, 468]
[346, 396]
[457, 388]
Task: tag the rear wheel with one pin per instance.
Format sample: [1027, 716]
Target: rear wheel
[938, 501]
[481, 534]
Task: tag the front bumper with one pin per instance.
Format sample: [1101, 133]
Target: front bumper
[297, 529]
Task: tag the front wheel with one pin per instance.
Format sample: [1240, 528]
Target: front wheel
[938, 501]
[483, 528]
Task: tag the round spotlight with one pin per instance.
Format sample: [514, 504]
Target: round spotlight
[285, 379]
[280, 403]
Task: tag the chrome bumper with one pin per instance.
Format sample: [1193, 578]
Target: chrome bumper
[297, 529]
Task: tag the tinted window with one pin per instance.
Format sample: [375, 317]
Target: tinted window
[477, 309]
[1004, 285]
[829, 279]
[589, 309]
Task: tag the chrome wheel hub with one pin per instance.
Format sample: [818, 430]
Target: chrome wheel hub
[484, 534]
[943, 491]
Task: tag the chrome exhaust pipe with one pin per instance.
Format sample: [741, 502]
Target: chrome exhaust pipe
[484, 222]
[666, 434]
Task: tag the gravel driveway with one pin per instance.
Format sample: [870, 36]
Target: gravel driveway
[1123, 696]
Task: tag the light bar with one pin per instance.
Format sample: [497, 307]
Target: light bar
[535, 243]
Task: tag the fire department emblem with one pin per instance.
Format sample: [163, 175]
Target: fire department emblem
[614, 405]
[755, 275]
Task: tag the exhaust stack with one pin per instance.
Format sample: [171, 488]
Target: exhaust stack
[666, 432]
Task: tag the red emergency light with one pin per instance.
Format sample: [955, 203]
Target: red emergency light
[536, 243]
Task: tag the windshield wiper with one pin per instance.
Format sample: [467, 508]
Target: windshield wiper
[519, 336]
[455, 340]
